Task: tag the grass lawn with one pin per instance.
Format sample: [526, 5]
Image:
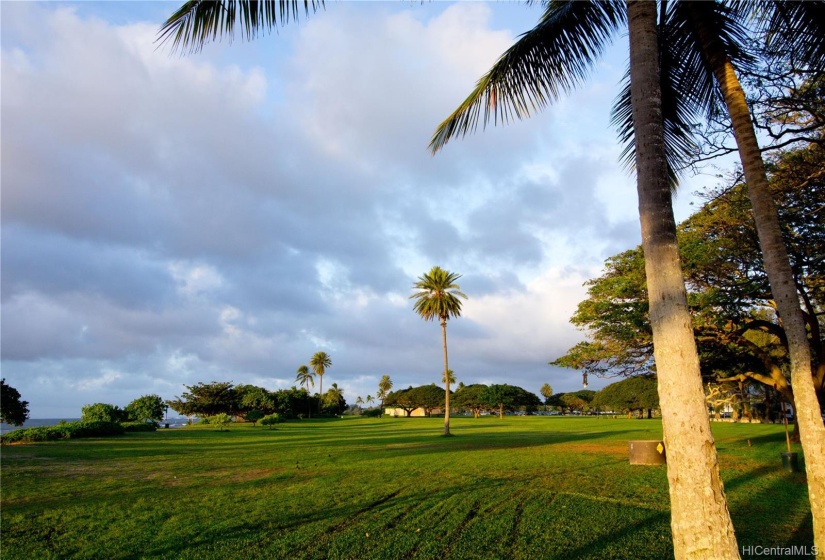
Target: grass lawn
[521, 487]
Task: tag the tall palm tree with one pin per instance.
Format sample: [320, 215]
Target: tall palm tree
[799, 27]
[553, 58]
[319, 362]
[438, 297]
[384, 387]
[369, 400]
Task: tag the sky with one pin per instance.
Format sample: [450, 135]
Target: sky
[223, 215]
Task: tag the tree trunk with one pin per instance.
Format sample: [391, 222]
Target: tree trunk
[777, 266]
[700, 521]
[446, 379]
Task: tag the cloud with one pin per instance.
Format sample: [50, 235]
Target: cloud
[222, 216]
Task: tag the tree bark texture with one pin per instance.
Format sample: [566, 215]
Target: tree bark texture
[700, 520]
[778, 269]
[446, 380]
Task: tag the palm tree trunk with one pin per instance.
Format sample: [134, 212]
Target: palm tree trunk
[778, 268]
[446, 380]
[700, 520]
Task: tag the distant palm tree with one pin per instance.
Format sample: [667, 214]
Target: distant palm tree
[451, 374]
[546, 392]
[320, 361]
[305, 377]
[369, 400]
[438, 297]
[384, 387]
[359, 401]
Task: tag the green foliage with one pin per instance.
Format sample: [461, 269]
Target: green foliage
[207, 399]
[472, 398]
[438, 295]
[333, 401]
[102, 412]
[139, 426]
[147, 407]
[63, 430]
[633, 393]
[372, 413]
[738, 332]
[254, 415]
[221, 420]
[508, 398]
[13, 410]
[270, 420]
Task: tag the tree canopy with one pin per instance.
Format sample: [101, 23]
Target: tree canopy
[13, 410]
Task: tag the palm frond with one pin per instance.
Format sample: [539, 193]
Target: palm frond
[689, 88]
[552, 58]
[797, 29]
[198, 22]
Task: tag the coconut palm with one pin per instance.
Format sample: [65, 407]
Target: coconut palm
[546, 392]
[305, 377]
[369, 400]
[451, 374]
[319, 362]
[384, 387]
[438, 298]
[551, 59]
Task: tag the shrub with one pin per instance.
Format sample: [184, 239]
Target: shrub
[63, 430]
[270, 420]
[139, 426]
[373, 413]
[253, 416]
[220, 420]
[102, 412]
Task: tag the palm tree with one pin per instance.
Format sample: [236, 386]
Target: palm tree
[551, 59]
[384, 387]
[320, 361]
[798, 27]
[546, 392]
[451, 374]
[359, 401]
[305, 377]
[438, 297]
[369, 400]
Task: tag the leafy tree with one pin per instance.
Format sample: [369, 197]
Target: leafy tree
[270, 420]
[737, 326]
[253, 416]
[207, 399]
[319, 363]
[634, 393]
[508, 397]
[404, 399]
[438, 297]
[102, 412]
[250, 397]
[471, 397]
[428, 397]
[145, 408]
[384, 387]
[13, 410]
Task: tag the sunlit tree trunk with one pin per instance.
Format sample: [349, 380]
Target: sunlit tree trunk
[700, 521]
[446, 380]
[780, 275]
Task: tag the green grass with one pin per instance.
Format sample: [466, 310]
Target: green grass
[522, 487]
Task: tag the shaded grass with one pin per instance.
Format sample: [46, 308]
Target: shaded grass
[522, 487]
